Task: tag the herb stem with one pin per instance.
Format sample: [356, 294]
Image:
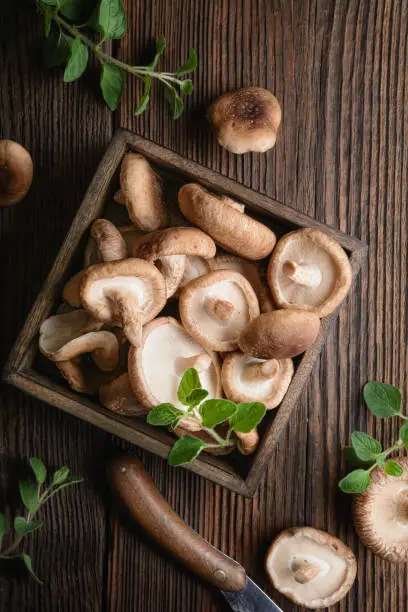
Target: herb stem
[217, 438]
[6, 553]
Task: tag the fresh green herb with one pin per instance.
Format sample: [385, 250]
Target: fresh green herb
[366, 453]
[70, 40]
[33, 497]
[207, 414]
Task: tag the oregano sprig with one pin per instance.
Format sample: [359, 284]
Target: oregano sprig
[33, 497]
[366, 453]
[207, 414]
[69, 43]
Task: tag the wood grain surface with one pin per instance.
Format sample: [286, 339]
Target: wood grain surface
[340, 69]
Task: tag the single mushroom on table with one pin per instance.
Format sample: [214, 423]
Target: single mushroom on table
[249, 269]
[381, 514]
[310, 567]
[158, 364]
[248, 379]
[246, 120]
[117, 395]
[226, 222]
[127, 293]
[216, 307]
[169, 249]
[309, 270]
[279, 334]
[16, 172]
[141, 193]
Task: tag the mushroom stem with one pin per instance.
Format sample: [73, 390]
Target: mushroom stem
[172, 267]
[258, 371]
[127, 315]
[308, 275]
[219, 309]
[199, 362]
[402, 507]
[303, 571]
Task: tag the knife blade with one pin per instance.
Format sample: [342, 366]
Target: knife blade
[145, 504]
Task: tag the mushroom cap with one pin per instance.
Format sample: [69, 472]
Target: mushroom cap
[141, 190]
[126, 293]
[16, 172]
[309, 270]
[247, 443]
[249, 269]
[246, 119]
[62, 338]
[216, 307]
[231, 228]
[280, 334]
[84, 376]
[205, 437]
[70, 292]
[381, 514]
[109, 242]
[195, 266]
[157, 365]
[248, 379]
[117, 395]
[265, 299]
[310, 567]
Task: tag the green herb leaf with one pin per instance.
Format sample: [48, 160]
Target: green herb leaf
[355, 482]
[112, 18]
[353, 460]
[216, 411]
[50, 2]
[160, 47]
[163, 414]
[56, 49]
[186, 449]
[60, 475]
[93, 21]
[39, 469]
[175, 102]
[22, 526]
[403, 434]
[176, 423]
[71, 481]
[392, 468]
[144, 101]
[75, 10]
[190, 64]
[247, 416]
[29, 495]
[382, 400]
[3, 527]
[196, 397]
[366, 447]
[187, 86]
[47, 20]
[189, 381]
[112, 81]
[77, 62]
[28, 563]
[381, 458]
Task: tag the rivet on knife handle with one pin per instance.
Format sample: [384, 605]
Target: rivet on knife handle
[152, 512]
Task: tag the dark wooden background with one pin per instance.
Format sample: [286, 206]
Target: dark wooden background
[340, 70]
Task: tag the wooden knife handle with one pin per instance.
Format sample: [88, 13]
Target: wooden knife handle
[152, 512]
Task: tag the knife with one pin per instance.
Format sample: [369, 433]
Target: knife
[138, 492]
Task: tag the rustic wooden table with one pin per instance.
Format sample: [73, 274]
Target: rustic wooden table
[339, 68]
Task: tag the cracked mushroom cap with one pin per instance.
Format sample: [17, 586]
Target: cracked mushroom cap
[309, 270]
[280, 334]
[127, 293]
[248, 379]
[169, 247]
[381, 514]
[215, 308]
[245, 120]
[249, 269]
[157, 365]
[64, 337]
[310, 567]
[226, 222]
[142, 193]
[117, 395]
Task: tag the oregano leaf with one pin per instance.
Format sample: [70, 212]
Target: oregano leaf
[190, 65]
[60, 475]
[354, 460]
[144, 100]
[189, 381]
[39, 469]
[382, 400]
[196, 397]
[56, 49]
[247, 416]
[28, 563]
[77, 61]
[175, 102]
[392, 468]
[355, 482]
[29, 495]
[112, 18]
[186, 449]
[216, 411]
[47, 20]
[160, 47]
[187, 86]
[366, 447]
[112, 82]
[403, 434]
[163, 414]
[22, 526]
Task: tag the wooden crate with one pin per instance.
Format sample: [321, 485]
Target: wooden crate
[238, 473]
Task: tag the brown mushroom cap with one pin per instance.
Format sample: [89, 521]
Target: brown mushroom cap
[309, 270]
[70, 292]
[381, 514]
[280, 334]
[249, 269]
[265, 299]
[157, 365]
[310, 567]
[216, 307]
[109, 242]
[231, 228]
[246, 119]
[126, 293]
[62, 338]
[205, 437]
[248, 379]
[117, 395]
[169, 248]
[84, 376]
[16, 172]
[247, 443]
[141, 190]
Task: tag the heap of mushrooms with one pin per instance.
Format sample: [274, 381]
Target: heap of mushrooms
[152, 301]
